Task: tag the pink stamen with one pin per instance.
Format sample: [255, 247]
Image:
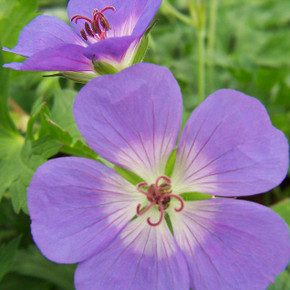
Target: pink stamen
[143, 191]
[180, 199]
[158, 195]
[78, 17]
[162, 177]
[145, 210]
[107, 8]
[161, 216]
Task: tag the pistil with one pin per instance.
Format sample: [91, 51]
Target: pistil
[159, 195]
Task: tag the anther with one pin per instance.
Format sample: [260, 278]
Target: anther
[95, 27]
[104, 22]
[83, 34]
[88, 29]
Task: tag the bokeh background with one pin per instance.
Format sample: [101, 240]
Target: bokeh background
[243, 45]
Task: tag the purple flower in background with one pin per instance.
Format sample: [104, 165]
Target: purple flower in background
[83, 211]
[106, 38]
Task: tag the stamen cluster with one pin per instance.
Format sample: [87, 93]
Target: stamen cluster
[159, 195]
[96, 27]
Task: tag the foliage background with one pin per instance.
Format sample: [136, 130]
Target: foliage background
[246, 47]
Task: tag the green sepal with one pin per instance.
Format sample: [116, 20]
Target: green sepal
[141, 49]
[78, 77]
[143, 45]
[82, 78]
[192, 196]
[128, 175]
[104, 68]
[170, 163]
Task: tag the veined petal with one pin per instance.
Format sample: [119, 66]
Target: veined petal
[42, 33]
[110, 50]
[134, 17]
[146, 13]
[68, 57]
[230, 148]
[142, 257]
[231, 244]
[132, 118]
[77, 207]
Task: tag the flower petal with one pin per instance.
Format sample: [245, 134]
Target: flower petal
[67, 57]
[77, 207]
[145, 14]
[142, 257]
[110, 50]
[230, 148]
[231, 244]
[132, 118]
[133, 17]
[42, 33]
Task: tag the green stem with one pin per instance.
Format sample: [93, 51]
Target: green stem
[211, 40]
[167, 8]
[201, 65]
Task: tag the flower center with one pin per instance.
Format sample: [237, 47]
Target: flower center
[159, 195]
[96, 27]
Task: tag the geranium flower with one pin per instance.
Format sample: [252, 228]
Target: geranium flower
[106, 37]
[83, 211]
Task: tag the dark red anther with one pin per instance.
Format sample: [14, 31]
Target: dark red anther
[88, 29]
[96, 27]
[104, 22]
[83, 34]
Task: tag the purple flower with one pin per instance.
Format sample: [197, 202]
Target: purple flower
[83, 211]
[106, 38]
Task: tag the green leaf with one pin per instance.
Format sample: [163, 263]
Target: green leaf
[31, 263]
[15, 281]
[283, 209]
[7, 253]
[6, 123]
[14, 15]
[61, 112]
[18, 161]
[69, 145]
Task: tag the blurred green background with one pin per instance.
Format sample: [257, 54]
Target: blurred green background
[243, 45]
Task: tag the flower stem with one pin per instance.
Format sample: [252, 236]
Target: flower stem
[167, 8]
[198, 15]
[211, 40]
[201, 65]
